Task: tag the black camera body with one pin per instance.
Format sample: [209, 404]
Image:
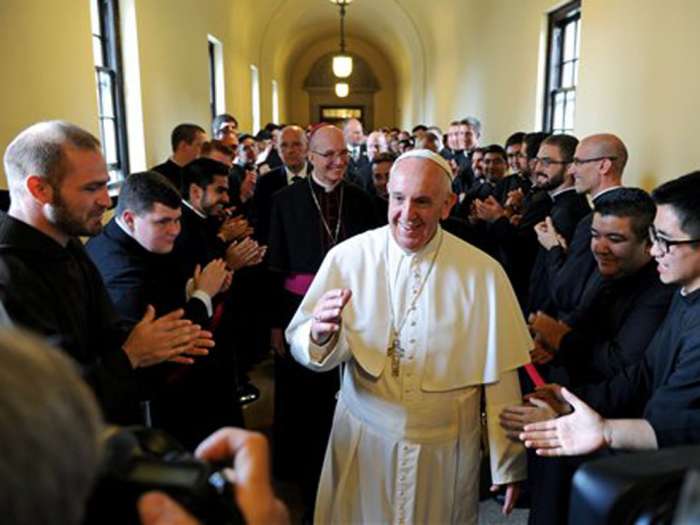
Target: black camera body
[137, 460]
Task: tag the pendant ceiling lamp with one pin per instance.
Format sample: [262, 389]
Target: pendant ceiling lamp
[342, 62]
[342, 89]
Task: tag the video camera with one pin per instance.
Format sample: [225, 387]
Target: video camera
[137, 460]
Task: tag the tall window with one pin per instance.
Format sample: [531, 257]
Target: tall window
[216, 76]
[275, 103]
[255, 97]
[110, 89]
[562, 68]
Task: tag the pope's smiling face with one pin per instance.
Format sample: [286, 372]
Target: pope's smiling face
[419, 197]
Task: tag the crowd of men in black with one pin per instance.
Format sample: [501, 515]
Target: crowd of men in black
[193, 280]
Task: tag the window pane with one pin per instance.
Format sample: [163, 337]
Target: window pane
[106, 99]
[97, 52]
[567, 77]
[578, 38]
[575, 73]
[95, 17]
[569, 41]
[570, 110]
[558, 119]
[109, 140]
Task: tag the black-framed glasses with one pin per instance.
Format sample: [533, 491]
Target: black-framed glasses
[578, 162]
[330, 155]
[665, 244]
[547, 162]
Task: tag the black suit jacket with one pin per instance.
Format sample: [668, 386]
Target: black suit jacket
[664, 388]
[568, 210]
[267, 186]
[135, 278]
[572, 273]
[615, 328]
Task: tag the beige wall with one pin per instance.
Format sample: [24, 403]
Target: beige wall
[640, 78]
[46, 59]
[639, 74]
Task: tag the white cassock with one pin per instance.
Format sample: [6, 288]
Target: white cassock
[406, 449]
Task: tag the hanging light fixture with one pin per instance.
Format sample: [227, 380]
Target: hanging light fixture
[342, 89]
[342, 62]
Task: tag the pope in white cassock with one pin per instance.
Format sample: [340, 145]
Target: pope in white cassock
[425, 324]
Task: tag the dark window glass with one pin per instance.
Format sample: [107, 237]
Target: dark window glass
[564, 44]
[110, 87]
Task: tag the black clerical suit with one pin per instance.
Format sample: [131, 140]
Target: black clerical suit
[171, 171]
[572, 272]
[58, 293]
[517, 243]
[267, 186]
[611, 334]
[298, 242]
[568, 213]
[189, 401]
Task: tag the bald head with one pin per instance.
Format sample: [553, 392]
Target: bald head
[610, 146]
[41, 150]
[329, 156]
[376, 144]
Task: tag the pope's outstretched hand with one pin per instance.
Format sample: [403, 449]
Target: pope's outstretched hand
[327, 314]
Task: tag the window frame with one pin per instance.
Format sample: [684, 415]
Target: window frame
[107, 12]
[554, 70]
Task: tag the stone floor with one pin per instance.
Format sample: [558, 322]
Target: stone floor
[258, 416]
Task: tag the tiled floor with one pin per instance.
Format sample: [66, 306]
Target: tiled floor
[258, 415]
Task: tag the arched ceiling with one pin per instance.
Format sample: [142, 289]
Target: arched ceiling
[291, 26]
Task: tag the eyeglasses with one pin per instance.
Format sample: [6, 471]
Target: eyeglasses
[665, 244]
[547, 162]
[578, 162]
[331, 155]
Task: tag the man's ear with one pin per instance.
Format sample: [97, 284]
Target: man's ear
[128, 219]
[449, 204]
[39, 188]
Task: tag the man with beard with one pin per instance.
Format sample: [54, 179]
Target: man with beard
[553, 175]
[58, 182]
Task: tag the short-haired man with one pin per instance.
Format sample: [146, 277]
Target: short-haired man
[186, 141]
[355, 144]
[514, 144]
[58, 183]
[381, 167]
[417, 351]
[597, 167]
[308, 219]
[293, 147]
[664, 383]
[132, 254]
[376, 144]
[610, 333]
[244, 176]
[216, 150]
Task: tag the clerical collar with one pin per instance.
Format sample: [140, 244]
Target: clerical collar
[603, 192]
[322, 187]
[197, 212]
[559, 191]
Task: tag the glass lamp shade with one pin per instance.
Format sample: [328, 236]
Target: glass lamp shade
[342, 66]
[342, 89]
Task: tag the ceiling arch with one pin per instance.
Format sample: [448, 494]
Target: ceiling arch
[294, 25]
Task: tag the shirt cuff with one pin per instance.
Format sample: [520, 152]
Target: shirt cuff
[319, 353]
[204, 297]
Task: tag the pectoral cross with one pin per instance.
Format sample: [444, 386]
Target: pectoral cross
[395, 352]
